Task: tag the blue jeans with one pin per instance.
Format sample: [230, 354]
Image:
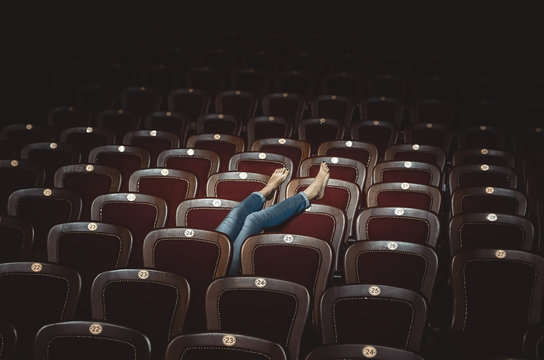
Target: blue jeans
[247, 219]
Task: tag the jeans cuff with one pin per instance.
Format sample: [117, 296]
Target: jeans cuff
[306, 199]
[261, 196]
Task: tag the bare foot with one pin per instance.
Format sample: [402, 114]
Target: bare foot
[275, 180]
[316, 190]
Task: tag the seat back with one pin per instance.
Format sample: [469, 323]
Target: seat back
[281, 307]
[378, 133]
[407, 171]
[223, 145]
[87, 138]
[340, 168]
[44, 208]
[236, 185]
[118, 296]
[348, 351]
[126, 159]
[173, 186]
[296, 150]
[262, 127]
[35, 294]
[225, 346]
[89, 181]
[154, 141]
[386, 315]
[419, 153]
[18, 174]
[392, 263]
[200, 256]
[404, 194]
[203, 213]
[140, 213]
[315, 131]
[306, 261]
[90, 340]
[89, 248]
[168, 121]
[471, 175]
[488, 199]
[479, 277]
[202, 163]
[398, 224]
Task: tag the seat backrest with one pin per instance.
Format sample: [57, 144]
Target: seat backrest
[87, 138]
[386, 315]
[306, 261]
[482, 136]
[340, 168]
[140, 100]
[35, 294]
[173, 186]
[44, 208]
[289, 106]
[344, 195]
[467, 175]
[355, 351]
[318, 130]
[360, 151]
[233, 304]
[428, 133]
[89, 248]
[393, 263]
[398, 224]
[18, 174]
[140, 213]
[296, 150]
[168, 121]
[488, 199]
[381, 108]
[154, 141]
[126, 159]
[404, 194]
[483, 156]
[323, 222]
[77, 339]
[379, 133]
[189, 102]
[202, 163]
[419, 153]
[16, 239]
[333, 107]
[262, 163]
[241, 104]
[18, 135]
[51, 156]
[224, 124]
[479, 230]
[262, 127]
[89, 181]
[120, 121]
[200, 256]
[119, 297]
[203, 213]
[224, 145]
[63, 117]
[407, 171]
[479, 277]
[225, 346]
[237, 185]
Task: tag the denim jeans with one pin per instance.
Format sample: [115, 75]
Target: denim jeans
[247, 219]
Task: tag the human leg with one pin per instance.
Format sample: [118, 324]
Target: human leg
[277, 214]
[233, 222]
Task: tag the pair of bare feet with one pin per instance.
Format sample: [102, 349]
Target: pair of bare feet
[314, 191]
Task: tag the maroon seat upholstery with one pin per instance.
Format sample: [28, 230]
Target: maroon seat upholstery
[404, 195]
[488, 199]
[203, 213]
[200, 256]
[87, 138]
[118, 296]
[223, 145]
[296, 150]
[90, 340]
[281, 307]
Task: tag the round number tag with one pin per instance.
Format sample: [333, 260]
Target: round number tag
[92, 226]
[243, 175]
[190, 152]
[89, 168]
[121, 148]
[95, 329]
[489, 190]
[229, 340]
[143, 274]
[47, 192]
[405, 186]
[36, 267]
[288, 238]
[369, 352]
[164, 172]
[492, 217]
[399, 211]
[189, 233]
[131, 197]
[500, 254]
[392, 245]
[260, 282]
[216, 202]
[374, 290]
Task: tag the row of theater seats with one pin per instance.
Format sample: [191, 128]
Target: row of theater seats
[391, 219]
